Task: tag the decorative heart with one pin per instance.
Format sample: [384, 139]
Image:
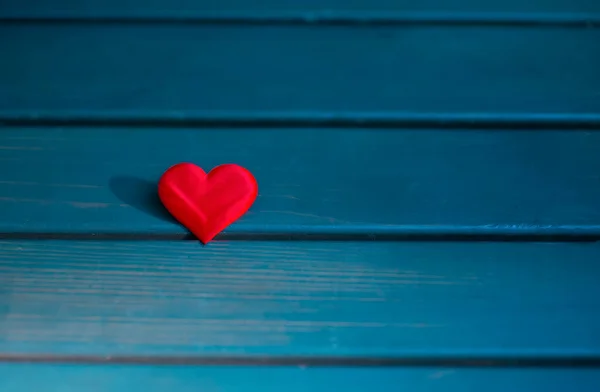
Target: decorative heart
[207, 203]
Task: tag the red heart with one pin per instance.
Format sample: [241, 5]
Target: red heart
[207, 203]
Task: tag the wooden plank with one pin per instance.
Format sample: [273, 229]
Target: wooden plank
[66, 378]
[319, 181]
[203, 7]
[320, 299]
[187, 71]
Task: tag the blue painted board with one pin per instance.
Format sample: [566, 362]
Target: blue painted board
[176, 72]
[67, 378]
[327, 181]
[321, 299]
[261, 7]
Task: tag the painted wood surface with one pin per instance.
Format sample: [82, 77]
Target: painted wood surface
[465, 119]
[127, 8]
[317, 299]
[67, 378]
[319, 181]
[183, 72]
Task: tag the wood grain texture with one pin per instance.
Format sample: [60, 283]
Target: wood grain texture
[57, 378]
[265, 7]
[320, 181]
[416, 300]
[193, 71]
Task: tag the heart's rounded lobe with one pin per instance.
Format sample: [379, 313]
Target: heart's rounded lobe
[207, 203]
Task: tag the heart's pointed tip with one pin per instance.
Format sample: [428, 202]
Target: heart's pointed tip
[204, 239]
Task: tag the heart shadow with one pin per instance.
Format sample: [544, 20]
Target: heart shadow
[141, 194]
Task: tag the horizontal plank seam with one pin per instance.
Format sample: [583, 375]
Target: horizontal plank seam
[386, 120]
[492, 362]
[516, 236]
[312, 18]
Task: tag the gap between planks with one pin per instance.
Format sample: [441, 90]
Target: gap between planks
[277, 120]
[322, 18]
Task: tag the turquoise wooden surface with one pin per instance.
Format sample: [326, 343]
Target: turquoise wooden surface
[369, 299]
[356, 8]
[179, 72]
[57, 378]
[323, 181]
[460, 121]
